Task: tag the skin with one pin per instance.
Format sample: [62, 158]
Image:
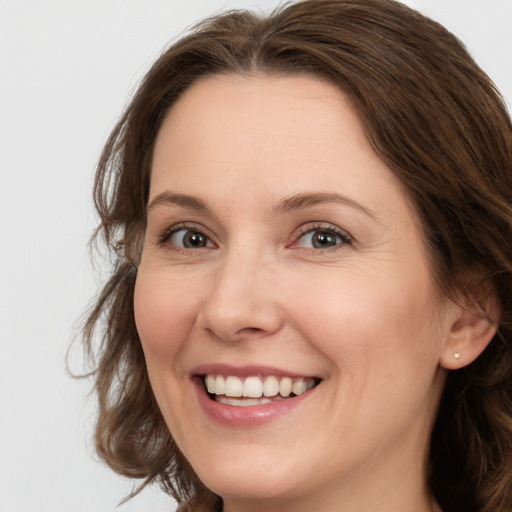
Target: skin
[363, 315]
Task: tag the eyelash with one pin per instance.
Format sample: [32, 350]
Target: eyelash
[342, 235]
[170, 232]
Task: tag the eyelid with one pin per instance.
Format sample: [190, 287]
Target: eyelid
[191, 226]
[309, 227]
[346, 238]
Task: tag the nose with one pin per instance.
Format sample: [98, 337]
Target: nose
[241, 302]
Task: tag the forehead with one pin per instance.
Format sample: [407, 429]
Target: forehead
[280, 135]
[224, 113]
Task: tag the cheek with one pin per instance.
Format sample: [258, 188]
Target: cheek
[383, 344]
[164, 316]
[361, 320]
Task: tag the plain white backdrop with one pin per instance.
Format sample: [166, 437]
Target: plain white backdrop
[67, 69]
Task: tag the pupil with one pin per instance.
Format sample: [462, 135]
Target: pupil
[323, 239]
[194, 239]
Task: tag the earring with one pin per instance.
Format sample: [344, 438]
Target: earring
[456, 355]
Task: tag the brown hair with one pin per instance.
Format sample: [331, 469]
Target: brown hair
[434, 118]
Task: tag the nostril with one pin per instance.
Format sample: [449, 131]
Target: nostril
[250, 330]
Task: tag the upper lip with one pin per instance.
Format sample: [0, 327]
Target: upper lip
[247, 371]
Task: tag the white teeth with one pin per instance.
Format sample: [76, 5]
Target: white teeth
[299, 386]
[285, 386]
[233, 387]
[220, 385]
[271, 386]
[210, 383]
[243, 402]
[255, 388]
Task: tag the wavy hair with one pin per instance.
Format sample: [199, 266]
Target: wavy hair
[436, 120]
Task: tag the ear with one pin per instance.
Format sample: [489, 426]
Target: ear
[475, 324]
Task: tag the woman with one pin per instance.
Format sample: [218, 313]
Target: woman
[310, 305]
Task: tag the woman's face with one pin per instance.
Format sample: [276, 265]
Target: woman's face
[281, 252]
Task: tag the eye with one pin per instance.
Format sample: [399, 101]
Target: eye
[186, 238]
[322, 237]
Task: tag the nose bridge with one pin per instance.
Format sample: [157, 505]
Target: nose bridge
[241, 301]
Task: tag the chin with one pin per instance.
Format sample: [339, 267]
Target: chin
[251, 475]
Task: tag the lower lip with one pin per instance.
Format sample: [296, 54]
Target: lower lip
[250, 415]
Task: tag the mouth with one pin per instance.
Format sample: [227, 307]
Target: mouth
[254, 390]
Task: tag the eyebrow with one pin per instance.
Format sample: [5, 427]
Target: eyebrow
[168, 198]
[287, 204]
[300, 201]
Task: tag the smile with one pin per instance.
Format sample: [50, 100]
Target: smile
[254, 390]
